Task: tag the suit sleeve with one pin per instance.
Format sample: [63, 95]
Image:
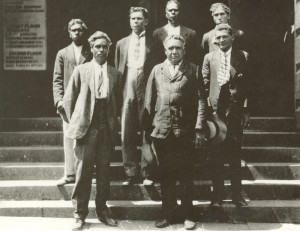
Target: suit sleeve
[150, 102]
[206, 74]
[202, 102]
[117, 56]
[58, 78]
[72, 93]
[204, 44]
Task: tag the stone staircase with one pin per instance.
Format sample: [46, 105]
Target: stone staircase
[31, 160]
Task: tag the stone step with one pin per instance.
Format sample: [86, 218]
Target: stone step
[55, 124]
[47, 190]
[55, 138]
[55, 154]
[54, 171]
[267, 211]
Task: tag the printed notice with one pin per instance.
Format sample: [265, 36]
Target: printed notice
[24, 34]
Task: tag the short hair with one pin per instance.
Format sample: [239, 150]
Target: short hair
[173, 1]
[217, 5]
[77, 21]
[176, 37]
[139, 9]
[98, 35]
[224, 26]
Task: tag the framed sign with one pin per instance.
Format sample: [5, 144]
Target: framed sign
[24, 32]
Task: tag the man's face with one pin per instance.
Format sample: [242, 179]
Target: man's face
[174, 51]
[100, 50]
[220, 16]
[224, 40]
[172, 12]
[76, 32]
[138, 22]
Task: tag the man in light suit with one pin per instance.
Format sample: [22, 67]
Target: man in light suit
[173, 27]
[91, 105]
[226, 80]
[67, 59]
[131, 59]
[221, 14]
[174, 116]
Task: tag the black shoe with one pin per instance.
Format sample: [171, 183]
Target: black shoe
[240, 202]
[162, 223]
[78, 224]
[131, 180]
[216, 204]
[106, 219]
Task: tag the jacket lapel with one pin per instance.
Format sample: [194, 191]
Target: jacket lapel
[124, 49]
[84, 54]
[165, 70]
[233, 62]
[91, 74]
[181, 70]
[71, 55]
[111, 82]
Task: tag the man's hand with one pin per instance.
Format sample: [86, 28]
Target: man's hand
[60, 106]
[200, 139]
[245, 119]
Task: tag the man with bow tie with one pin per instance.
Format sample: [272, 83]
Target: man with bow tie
[226, 79]
[91, 104]
[174, 116]
[67, 59]
[131, 59]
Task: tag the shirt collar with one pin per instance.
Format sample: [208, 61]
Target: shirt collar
[170, 64]
[140, 35]
[75, 46]
[227, 52]
[97, 66]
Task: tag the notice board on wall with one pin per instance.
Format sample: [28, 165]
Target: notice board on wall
[24, 32]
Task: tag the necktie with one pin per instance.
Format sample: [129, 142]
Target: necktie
[100, 81]
[223, 74]
[137, 49]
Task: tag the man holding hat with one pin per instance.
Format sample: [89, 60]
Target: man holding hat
[226, 82]
[175, 107]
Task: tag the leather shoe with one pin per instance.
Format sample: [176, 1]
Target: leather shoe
[66, 180]
[148, 182]
[240, 202]
[189, 224]
[162, 223]
[106, 219]
[78, 224]
[131, 180]
[216, 204]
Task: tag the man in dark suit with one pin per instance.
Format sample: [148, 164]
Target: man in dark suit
[131, 58]
[221, 14]
[67, 59]
[91, 105]
[173, 27]
[225, 74]
[175, 106]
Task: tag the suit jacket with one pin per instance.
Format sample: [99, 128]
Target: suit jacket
[208, 40]
[79, 100]
[64, 65]
[191, 48]
[179, 100]
[238, 84]
[121, 56]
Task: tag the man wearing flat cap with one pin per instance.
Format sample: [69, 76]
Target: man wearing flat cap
[92, 105]
[174, 116]
[226, 78]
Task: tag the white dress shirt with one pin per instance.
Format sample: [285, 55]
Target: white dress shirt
[77, 51]
[173, 30]
[131, 62]
[173, 68]
[105, 83]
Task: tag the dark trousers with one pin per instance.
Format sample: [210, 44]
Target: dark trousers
[95, 148]
[229, 152]
[175, 163]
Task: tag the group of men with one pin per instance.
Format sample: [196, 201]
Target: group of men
[157, 91]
